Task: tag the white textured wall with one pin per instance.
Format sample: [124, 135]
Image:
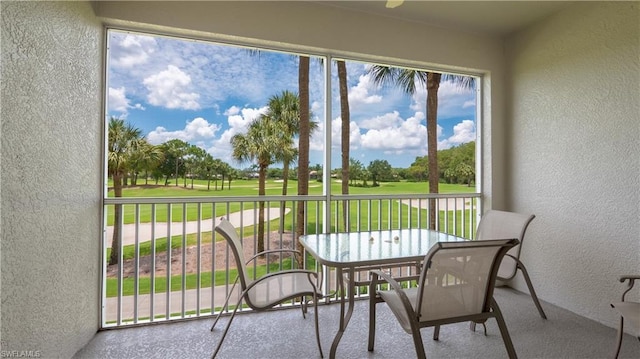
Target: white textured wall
[307, 26]
[51, 141]
[575, 153]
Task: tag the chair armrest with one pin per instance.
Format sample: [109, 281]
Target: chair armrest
[289, 271]
[628, 277]
[280, 251]
[395, 285]
[631, 278]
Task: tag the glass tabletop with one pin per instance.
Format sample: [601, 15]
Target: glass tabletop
[373, 247]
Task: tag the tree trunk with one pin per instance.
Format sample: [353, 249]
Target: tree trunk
[177, 173]
[345, 138]
[261, 192]
[433, 83]
[303, 150]
[115, 241]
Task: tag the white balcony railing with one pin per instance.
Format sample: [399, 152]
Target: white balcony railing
[150, 283]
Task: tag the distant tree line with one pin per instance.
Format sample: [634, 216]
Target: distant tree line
[132, 156]
[177, 160]
[455, 165]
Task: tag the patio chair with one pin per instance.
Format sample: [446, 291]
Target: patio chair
[269, 290]
[456, 285]
[628, 310]
[501, 224]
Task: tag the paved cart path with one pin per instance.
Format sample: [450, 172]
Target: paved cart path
[444, 204]
[238, 219]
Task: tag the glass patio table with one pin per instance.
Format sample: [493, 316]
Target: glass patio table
[358, 251]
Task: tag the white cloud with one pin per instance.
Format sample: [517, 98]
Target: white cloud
[463, 132]
[132, 50]
[118, 100]
[382, 122]
[316, 142]
[402, 135]
[169, 88]
[449, 88]
[238, 120]
[316, 107]
[196, 130]
[469, 103]
[361, 93]
[233, 110]
[355, 136]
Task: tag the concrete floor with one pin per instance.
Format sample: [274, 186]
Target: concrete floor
[285, 334]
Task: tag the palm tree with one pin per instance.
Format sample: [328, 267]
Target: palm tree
[124, 141]
[177, 150]
[408, 80]
[285, 108]
[263, 140]
[345, 116]
[207, 169]
[230, 173]
[146, 159]
[219, 170]
[287, 155]
[303, 148]
[194, 161]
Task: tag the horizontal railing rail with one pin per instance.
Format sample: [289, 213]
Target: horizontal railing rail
[172, 266]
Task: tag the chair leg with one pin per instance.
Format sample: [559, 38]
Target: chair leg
[303, 306]
[619, 339]
[226, 303]
[226, 329]
[531, 290]
[417, 341]
[315, 311]
[472, 326]
[372, 322]
[436, 332]
[506, 338]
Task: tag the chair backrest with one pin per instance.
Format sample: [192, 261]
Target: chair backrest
[500, 224]
[228, 231]
[459, 277]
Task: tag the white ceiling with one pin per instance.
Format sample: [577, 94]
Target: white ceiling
[487, 17]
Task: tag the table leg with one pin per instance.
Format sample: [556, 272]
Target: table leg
[344, 317]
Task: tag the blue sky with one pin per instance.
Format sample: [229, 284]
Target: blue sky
[204, 93]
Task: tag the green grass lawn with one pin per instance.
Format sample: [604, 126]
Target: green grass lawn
[248, 188]
[220, 277]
